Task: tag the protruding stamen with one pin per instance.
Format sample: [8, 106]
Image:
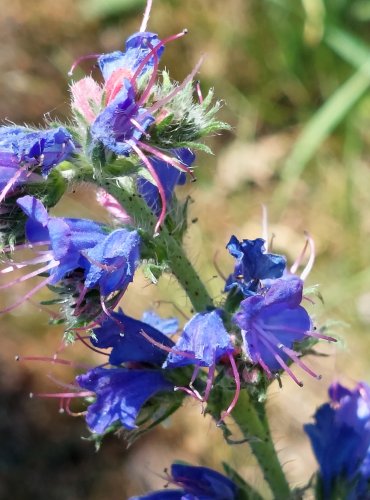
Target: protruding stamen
[80, 59]
[237, 389]
[298, 261]
[160, 44]
[210, 377]
[136, 124]
[159, 185]
[12, 181]
[51, 265]
[306, 271]
[162, 156]
[153, 77]
[199, 92]
[165, 348]
[191, 393]
[146, 15]
[159, 104]
[82, 394]
[27, 296]
[265, 227]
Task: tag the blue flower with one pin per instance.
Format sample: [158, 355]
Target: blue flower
[340, 438]
[101, 259]
[196, 483]
[167, 326]
[120, 395]
[204, 339]
[114, 128]
[123, 334]
[168, 176]
[270, 325]
[252, 265]
[35, 148]
[138, 46]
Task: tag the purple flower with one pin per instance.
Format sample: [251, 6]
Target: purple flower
[106, 260]
[204, 340]
[169, 177]
[270, 325]
[36, 148]
[122, 121]
[138, 46]
[195, 483]
[120, 395]
[252, 265]
[124, 335]
[340, 438]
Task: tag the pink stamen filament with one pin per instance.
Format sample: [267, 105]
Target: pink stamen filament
[199, 92]
[298, 261]
[31, 262]
[160, 44]
[191, 393]
[237, 389]
[146, 15]
[306, 271]
[71, 413]
[81, 339]
[51, 265]
[210, 377]
[12, 181]
[145, 95]
[308, 333]
[136, 124]
[217, 267]
[27, 296]
[64, 395]
[166, 348]
[280, 360]
[159, 104]
[162, 156]
[159, 185]
[25, 246]
[80, 59]
[265, 228]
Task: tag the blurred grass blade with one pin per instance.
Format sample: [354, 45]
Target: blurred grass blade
[332, 111]
[110, 8]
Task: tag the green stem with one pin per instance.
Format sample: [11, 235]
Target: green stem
[180, 265]
[254, 425]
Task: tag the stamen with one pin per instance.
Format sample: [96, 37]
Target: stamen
[159, 185]
[51, 265]
[265, 228]
[70, 412]
[210, 377]
[188, 391]
[298, 261]
[199, 92]
[166, 348]
[160, 44]
[146, 15]
[216, 266]
[237, 390]
[159, 104]
[281, 362]
[306, 271]
[44, 257]
[90, 346]
[152, 79]
[82, 394]
[294, 356]
[136, 124]
[27, 296]
[23, 246]
[12, 181]
[80, 59]
[171, 161]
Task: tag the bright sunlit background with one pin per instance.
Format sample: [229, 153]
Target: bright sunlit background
[294, 76]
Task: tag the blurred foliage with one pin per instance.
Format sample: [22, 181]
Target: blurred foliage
[295, 76]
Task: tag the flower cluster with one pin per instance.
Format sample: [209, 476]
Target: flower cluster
[340, 438]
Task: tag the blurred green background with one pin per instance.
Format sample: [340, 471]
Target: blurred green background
[294, 76]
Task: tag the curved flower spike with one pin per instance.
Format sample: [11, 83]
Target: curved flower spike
[340, 438]
[195, 482]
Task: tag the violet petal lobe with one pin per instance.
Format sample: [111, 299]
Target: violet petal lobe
[120, 395]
